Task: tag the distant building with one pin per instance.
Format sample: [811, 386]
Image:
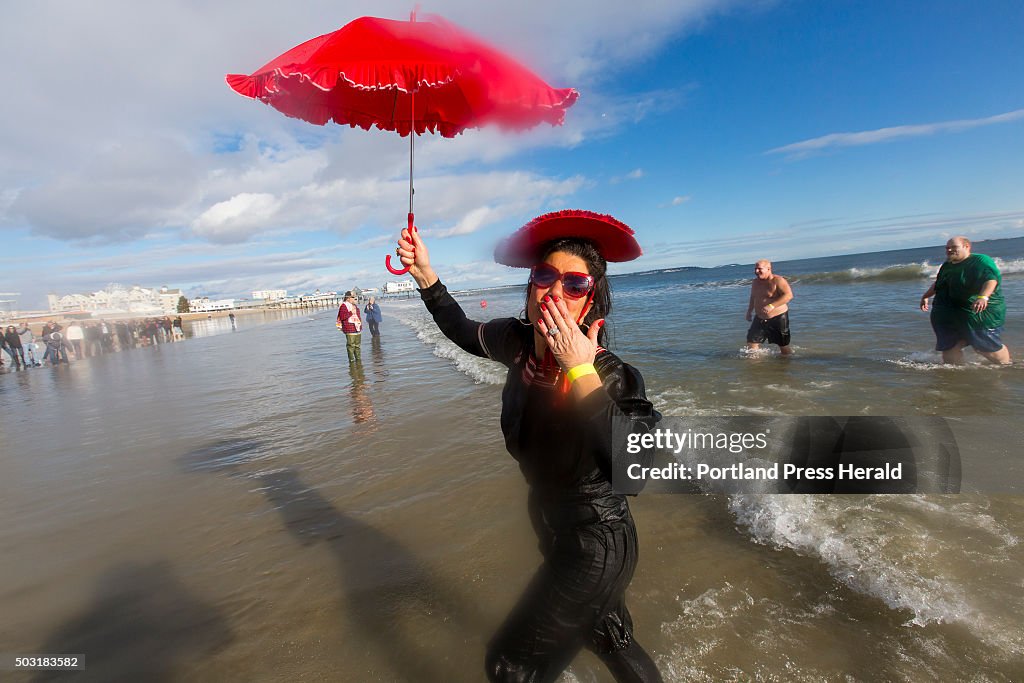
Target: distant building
[115, 299]
[397, 287]
[270, 294]
[169, 300]
[203, 304]
[318, 298]
[8, 307]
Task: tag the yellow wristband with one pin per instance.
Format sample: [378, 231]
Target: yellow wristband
[771, 306]
[579, 371]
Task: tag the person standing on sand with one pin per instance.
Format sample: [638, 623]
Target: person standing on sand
[373, 316]
[5, 348]
[351, 324]
[969, 309]
[75, 336]
[17, 351]
[768, 309]
[28, 342]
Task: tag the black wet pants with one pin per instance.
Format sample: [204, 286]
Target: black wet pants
[575, 600]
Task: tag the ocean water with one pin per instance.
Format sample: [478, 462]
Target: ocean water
[247, 506]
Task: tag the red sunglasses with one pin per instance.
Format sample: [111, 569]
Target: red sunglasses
[574, 285]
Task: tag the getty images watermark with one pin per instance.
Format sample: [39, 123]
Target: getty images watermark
[786, 455]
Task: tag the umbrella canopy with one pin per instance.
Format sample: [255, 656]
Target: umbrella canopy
[405, 75]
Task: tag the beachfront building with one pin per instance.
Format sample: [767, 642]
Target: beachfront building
[115, 299]
[398, 287]
[169, 300]
[8, 306]
[270, 294]
[319, 298]
[68, 302]
[203, 304]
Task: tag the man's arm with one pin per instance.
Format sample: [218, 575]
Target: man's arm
[981, 302]
[783, 292]
[750, 304]
[927, 295]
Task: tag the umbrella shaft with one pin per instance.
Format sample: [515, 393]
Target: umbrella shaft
[412, 139]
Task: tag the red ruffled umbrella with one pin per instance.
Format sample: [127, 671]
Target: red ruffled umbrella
[405, 76]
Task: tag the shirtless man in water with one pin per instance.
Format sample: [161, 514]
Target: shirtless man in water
[768, 309]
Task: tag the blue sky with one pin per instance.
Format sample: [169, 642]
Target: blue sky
[722, 131]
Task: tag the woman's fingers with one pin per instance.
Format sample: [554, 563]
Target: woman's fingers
[559, 313]
[544, 327]
[546, 310]
[406, 250]
[564, 318]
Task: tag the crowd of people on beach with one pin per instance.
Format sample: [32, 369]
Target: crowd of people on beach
[56, 344]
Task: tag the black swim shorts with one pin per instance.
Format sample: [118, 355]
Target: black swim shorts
[774, 330]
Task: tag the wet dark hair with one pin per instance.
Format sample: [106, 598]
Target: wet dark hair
[601, 305]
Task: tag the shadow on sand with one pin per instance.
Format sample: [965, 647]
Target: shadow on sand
[397, 611]
[419, 628]
[143, 625]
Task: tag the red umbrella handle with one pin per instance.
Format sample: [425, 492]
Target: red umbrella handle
[387, 259]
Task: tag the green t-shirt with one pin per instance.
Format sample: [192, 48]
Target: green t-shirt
[957, 283]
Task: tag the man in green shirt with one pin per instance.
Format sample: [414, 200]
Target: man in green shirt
[969, 309]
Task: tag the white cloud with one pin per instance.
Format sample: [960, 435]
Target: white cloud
[230, 220]
[635, 174]
[122, 190]
[799, 150]
[471, 222]
[678, 200]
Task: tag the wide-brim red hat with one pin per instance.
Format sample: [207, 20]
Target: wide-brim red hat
[613, 238]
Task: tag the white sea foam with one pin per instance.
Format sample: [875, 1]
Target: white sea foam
[679, 401]
[1011, 267]
[820, 527]
[674, 400]
[928, 361]
[882, 552]
[792, 391]
[704, 635]
[480, 370]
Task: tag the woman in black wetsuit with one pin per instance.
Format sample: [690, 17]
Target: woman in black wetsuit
[566, 404]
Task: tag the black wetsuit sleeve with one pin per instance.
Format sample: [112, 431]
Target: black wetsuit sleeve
[495, 339]
[612, 415]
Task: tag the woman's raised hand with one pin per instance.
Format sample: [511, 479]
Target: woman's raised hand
[414, 255]
[568, 344]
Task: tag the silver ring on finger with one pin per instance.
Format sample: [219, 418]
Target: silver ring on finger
[553, 332]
